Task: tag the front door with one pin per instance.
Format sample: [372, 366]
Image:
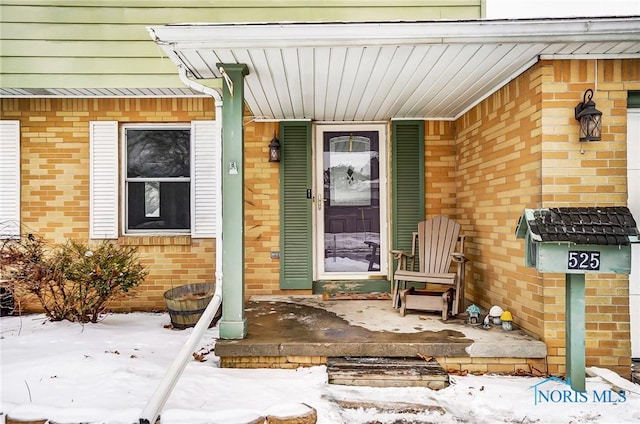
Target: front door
[350, 202]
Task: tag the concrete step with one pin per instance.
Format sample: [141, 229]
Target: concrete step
[386, 372]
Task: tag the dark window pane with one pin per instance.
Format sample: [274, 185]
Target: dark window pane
[158, 153]
[174, 211]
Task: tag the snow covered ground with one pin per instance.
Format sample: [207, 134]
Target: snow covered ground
[106, 373]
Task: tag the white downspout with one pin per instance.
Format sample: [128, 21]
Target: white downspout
[151, 412]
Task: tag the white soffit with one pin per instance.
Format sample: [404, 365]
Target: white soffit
[386, 70]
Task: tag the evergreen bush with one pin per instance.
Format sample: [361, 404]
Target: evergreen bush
[73, 281]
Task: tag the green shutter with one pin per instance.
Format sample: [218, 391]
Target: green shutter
[295, 207]
[634, 100]
[408, 181]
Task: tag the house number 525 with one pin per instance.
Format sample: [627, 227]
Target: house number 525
[583, 260]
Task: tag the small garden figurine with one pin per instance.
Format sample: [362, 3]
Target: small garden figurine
[487, 321]
[506, 319]
[473, 315]
[495, 312]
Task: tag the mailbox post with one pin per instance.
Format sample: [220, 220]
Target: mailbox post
[578, 241]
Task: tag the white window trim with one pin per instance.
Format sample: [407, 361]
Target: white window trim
[123, 177]
[205, 157]
[319, 271]
[9, 179]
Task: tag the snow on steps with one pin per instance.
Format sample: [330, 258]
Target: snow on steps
[381, 407]
[387, 372]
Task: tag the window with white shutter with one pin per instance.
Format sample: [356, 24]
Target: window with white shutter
[170, 179]
[9, 179]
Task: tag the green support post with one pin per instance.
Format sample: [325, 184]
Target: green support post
[233, 324]
[575, 331]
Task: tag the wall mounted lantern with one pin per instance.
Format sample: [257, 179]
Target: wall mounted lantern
[274, 149]
[589, 117]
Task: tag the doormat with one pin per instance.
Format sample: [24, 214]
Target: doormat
[355, 296]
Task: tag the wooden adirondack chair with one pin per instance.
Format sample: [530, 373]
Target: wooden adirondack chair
[436, 241]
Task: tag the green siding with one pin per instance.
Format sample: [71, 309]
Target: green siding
[157, 11]
[295, 207]
[407, 181]
[53, 43]
[59, 48]
[34, 82]
[116, 65]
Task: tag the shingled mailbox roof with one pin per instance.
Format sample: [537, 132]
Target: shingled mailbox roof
[597, 225]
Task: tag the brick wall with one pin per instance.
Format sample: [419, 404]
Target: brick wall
[440, 168]
[55, 177]
[498, 175]
[519, 149]
[262, 211]
[588, 174]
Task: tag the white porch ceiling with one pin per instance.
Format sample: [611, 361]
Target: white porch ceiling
[392, 70]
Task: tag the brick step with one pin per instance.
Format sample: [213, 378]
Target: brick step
[386, 372]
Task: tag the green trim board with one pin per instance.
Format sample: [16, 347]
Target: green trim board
[296, 265]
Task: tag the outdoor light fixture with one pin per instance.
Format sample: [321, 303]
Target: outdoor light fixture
[274, 149]
[589, 117]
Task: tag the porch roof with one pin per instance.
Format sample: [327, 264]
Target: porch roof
[374, 71]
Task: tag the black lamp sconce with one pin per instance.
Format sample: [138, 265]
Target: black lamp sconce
[589, 117]
[274, 149]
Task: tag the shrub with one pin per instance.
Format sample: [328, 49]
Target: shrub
[73, 281]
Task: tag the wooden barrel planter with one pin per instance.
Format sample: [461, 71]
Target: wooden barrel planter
[187, 303]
